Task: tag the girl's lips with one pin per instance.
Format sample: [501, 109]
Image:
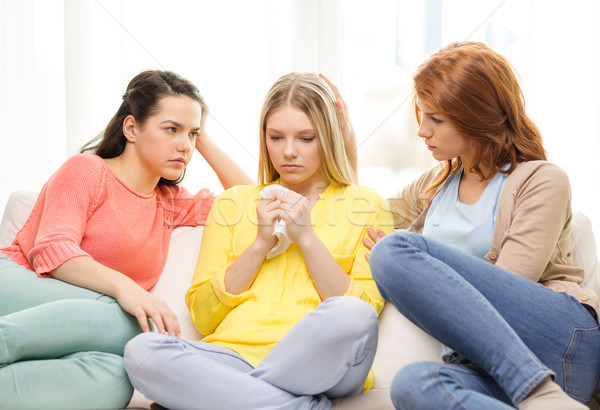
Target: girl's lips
[290, 167]
[178, 162]
[431, 147]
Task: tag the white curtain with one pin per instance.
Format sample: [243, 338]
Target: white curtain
[65, 63]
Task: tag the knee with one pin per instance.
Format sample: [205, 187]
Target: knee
[385, 255]
[142, 353]
[408, 386]
[108, 387]
[351, 317]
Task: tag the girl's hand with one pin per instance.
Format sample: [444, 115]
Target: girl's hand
[295, 211]
[144, 305]
[375, 237]
[345, 125]
[342, 111]
[267, 212]
[203, 134]
[129, 295]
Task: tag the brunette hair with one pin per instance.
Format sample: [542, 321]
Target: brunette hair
[310, 94]
[141, 99]
[476, 89]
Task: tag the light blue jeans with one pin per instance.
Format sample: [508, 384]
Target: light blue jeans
[327, 354]
[61, 346]
[510, 332]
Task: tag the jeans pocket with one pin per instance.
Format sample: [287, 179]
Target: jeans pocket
[581, 363]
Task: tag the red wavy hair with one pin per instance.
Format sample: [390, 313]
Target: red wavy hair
[476, 89]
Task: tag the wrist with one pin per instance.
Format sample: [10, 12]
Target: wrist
[202, 142]
[262, 246]
[307, 240]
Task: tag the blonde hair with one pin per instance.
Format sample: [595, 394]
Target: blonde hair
[310, 94]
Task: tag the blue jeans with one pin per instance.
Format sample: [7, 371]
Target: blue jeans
[61, 345]
[509, 332]
[327, 354]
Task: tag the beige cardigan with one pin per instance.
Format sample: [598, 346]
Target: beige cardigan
[532, 235]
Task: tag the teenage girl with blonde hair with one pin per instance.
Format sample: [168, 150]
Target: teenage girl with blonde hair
[285, 327]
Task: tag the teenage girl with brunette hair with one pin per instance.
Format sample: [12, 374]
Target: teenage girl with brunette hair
[74, 283]
[286, 327]
[485, 265]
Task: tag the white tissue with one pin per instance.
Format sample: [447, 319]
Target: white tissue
[280, 227]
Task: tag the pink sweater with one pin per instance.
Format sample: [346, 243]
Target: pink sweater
[85, 210]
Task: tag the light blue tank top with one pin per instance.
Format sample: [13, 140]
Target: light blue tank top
[465, 227]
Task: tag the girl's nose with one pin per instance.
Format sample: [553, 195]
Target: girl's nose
[424, 131]
[183, 143]
[290, 150]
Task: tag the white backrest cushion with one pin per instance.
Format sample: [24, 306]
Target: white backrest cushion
[18, 208]
[584, 250]
[178, 273]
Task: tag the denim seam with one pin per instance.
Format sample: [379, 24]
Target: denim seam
[456, 403]
[570, 347]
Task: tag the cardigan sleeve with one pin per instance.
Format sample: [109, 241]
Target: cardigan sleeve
[409, 203]
[362, 284]
[207, 299]
[65, 204]
[542, 210]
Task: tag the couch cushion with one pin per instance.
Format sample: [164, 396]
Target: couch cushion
[18, 208]
[584, 250]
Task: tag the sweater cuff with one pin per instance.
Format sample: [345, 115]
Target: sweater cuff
[355, 290]
[218, 285]
[45, 258]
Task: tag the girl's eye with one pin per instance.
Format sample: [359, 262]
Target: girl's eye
[193, 134]
[308, 139]
[436, 120]
[274, 137]
[172, 129]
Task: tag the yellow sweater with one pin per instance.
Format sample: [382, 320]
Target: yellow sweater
[252, 322]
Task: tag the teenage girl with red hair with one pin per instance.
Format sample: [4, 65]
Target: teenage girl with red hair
[485, 265]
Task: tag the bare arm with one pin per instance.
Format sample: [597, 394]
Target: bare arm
[227, 170]
[85, 272]
[326, 274]
[328, 277]
[243, 271]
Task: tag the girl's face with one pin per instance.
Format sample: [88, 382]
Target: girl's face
[441, 137]
[165, 143]
[293, 149]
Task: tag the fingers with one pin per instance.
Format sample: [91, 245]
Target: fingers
[368, 243]
[375, 235]
[335, 90]
[153, 308]
[170, 322]
[143, 321]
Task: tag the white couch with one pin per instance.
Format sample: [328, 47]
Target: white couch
[400, 342]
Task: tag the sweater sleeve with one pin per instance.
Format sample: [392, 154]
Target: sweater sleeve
[362, 284]
[542, 209]
[185, 209]
[65, 204]
[207, 299]
[407, 205]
